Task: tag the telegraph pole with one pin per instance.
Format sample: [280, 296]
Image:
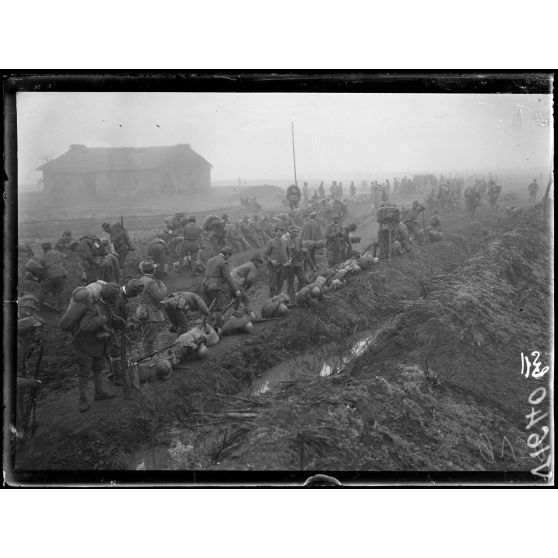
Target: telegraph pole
[294, 156]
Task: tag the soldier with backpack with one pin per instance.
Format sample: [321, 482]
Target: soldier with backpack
[92, 340]
[150, 312]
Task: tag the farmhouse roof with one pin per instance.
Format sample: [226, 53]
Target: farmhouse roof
[81, 159]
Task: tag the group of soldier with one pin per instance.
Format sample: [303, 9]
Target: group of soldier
[287, 246]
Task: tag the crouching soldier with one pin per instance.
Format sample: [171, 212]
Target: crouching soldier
[402, 236]
[91, 252]
[217, 280]
[55, 276]
[63, 243]
[178, 307]
[277, 254]
[244, 276]
[149, 312]
[159, 253]
[120, 240]
[92, 344]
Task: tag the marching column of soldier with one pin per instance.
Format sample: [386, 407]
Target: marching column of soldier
[98, 316]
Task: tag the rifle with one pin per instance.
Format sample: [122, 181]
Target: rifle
[205, 317]
[32, 404]
[124, 366]
[145, 357]
[124, 266]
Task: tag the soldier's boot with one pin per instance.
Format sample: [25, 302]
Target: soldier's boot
[84, 404]
[100, 391]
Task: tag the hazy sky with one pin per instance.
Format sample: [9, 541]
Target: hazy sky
[248, 135]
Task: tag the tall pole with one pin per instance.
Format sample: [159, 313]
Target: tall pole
[294, 156]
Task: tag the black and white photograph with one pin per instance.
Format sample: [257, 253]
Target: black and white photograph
[255, 279]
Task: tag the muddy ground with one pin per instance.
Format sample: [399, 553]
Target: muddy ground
[438, 386]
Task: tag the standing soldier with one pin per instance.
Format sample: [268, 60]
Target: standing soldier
[91, 252]
[29, 338]
[178, 307]
[333, 237]
[55, 279]
[190, 245]
[117, 299]
[277, 254]
[217, 280]
[150, 311]
[92, 344]
[120, 240]
[296, 267]
[321, 191]
[352, 189]
[311, 234]
[492, 195]
[533, 190]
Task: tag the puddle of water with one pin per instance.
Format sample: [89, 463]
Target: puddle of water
[324, 365]
[356, 350]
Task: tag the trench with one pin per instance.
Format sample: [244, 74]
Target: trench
[313, 360]
[322, 361]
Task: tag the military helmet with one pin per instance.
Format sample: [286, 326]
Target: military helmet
[163, 369]
[133, 288]
[282, 309]
[67, 233]
[147, 266]
[279, 228]
[202, 351]
[110, 291]
[227, 250]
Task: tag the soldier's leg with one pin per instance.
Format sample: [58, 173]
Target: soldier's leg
[273, 280]
[330, 254]
[98, 366]
[45, 289]
[149, 334]
[301, 279]
[59, 292]
[291, 273]
[281, 277]
[84, 364]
